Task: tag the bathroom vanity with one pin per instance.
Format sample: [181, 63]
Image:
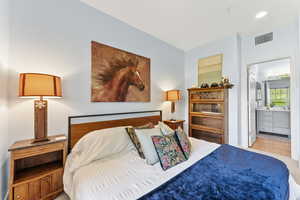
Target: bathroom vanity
[273, 120]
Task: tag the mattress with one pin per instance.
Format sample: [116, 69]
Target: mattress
[126, 176]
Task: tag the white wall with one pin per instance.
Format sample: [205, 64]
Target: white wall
[298, 64]
[4, 56]
[53, 36]
[285, 44]
[229, 47]
[273, 68]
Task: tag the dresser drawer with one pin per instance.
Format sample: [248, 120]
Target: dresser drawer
[210, 137]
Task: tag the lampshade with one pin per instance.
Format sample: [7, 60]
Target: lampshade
[173, 95]
[33, 84]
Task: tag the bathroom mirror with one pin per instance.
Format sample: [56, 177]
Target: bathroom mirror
[210, 69]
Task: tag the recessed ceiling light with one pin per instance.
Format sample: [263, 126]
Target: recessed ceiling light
[261, 14]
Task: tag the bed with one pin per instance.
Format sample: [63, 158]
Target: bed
[125, 176]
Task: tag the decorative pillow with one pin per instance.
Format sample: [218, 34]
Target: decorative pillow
[144, 136]
[165, 129]
[99, 144]
[184, 142]
[168, 151]
[134, 139]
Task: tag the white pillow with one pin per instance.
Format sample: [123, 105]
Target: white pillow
[99, 144]
[165, 129]
[144, 136]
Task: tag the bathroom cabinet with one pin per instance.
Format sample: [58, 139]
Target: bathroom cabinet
[271, 121]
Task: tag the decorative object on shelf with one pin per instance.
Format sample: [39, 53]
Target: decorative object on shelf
[204, 85]
[214, 85]
[119, 76]
[221, 84]
[227, 83]
[173, 96]
[39, 85]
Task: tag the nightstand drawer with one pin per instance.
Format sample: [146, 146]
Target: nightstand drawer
[23, 153]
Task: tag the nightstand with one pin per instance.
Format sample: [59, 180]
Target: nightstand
[36, 169]
[174, 124]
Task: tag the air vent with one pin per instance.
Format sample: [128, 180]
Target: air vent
[263, 38]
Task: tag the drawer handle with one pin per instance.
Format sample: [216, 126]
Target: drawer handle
[18, 197]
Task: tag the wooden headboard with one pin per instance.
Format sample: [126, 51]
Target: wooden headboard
[78, 130]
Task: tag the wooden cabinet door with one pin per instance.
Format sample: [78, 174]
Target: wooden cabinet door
[34, 190]
[21, 192]
[57, 181]
[45, 186]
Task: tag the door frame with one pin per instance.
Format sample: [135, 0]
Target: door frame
[294, 109]
[248, 104]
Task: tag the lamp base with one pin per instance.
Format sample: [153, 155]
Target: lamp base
[172, 107]
[40, 120]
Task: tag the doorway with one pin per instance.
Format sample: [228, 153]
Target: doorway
[269, 95]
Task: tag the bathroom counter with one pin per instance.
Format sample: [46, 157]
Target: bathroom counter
[272, 109]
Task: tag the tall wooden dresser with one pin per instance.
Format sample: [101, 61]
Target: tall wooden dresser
[208, 114]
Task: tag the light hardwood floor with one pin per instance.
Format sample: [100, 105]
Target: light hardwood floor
[276, 146]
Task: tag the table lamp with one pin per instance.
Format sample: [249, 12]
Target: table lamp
[173, 96]
[39, 85]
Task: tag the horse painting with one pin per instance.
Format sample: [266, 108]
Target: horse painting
[119, 76]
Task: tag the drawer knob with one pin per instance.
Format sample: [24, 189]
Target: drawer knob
[18, 197]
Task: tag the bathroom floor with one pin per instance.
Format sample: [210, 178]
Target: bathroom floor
[273, 144]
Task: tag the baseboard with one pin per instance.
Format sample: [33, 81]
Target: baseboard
[6, 196]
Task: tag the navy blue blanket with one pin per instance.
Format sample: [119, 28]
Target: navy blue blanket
[228, 173]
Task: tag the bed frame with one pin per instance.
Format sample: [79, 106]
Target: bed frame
[78, 130]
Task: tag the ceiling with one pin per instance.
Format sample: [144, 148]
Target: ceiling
[186, 24]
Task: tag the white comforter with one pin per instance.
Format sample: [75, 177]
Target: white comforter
[125, 176]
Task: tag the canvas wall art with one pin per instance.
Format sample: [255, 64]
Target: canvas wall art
[119, 76]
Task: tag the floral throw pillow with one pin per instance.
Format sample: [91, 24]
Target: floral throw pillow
[133, 137]
[184, 142]
[168, 151]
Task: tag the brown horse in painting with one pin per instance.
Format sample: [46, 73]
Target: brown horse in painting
[116, 78]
